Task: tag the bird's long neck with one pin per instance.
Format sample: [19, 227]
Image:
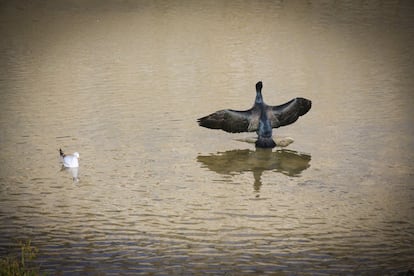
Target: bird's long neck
[259, 97]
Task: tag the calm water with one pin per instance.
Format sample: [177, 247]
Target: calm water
[124, 82]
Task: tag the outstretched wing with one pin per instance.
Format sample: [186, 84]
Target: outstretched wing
[288, 113]
[231, 120]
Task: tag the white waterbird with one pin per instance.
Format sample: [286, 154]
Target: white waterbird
[69, 160]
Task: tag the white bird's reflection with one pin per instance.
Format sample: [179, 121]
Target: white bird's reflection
[74, 172]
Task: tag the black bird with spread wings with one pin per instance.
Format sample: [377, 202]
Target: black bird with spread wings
[261, 118]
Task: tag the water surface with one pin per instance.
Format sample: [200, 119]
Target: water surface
[123, 84]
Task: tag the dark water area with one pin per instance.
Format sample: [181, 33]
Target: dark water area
[123, 83]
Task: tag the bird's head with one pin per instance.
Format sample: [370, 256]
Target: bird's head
[259, 86]
[76, 154]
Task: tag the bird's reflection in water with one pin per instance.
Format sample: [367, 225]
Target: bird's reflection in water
[72, 171]
[288, 162]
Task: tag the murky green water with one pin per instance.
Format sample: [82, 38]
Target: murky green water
[123, 84]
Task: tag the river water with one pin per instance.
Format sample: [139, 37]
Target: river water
[123, 83]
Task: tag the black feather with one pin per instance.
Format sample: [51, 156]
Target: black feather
[259, 115]
[265, 142]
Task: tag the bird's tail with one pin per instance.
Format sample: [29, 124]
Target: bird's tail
[265, 142]
[61, 153]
